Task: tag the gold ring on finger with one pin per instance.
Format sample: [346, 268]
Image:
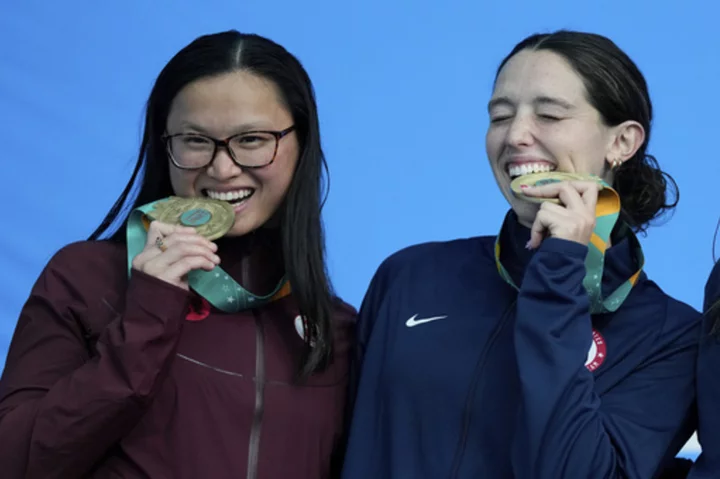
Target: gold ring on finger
[159, 243]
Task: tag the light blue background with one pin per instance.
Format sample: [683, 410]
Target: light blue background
[402, 88]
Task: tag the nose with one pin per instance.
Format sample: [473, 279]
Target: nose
[520, 132]
[223, 167]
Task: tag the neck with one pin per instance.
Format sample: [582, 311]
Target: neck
[525, 223]
[254, 260]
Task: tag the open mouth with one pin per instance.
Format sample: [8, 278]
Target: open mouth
[235, 197]
[516, 170]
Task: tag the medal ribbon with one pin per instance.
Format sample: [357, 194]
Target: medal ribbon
[216, 286]
[607, 212]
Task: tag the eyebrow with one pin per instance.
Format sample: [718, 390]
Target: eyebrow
[241, 128]
[541, 100]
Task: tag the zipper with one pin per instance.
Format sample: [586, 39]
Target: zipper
[254, 446]
[472, 392]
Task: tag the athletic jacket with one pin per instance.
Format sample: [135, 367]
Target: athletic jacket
[708, 386]
[110, 378]
[462, 376]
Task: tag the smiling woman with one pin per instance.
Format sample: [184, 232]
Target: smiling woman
[254, 165]
[163, 351]
[556, 358]
[556, 106]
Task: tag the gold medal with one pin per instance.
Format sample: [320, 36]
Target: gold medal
[210, 218]
[540, 179]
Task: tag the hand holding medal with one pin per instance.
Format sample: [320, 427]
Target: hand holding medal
[179, 237]
[172, 240]
[568, 205]
[580, 208]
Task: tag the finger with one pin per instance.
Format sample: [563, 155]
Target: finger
[181, 268]
[560, 211]
[178, 251]
[161, 244]
[571, 197]
[550, 190]
[540, 226]
[152, 260]
[576, 195]
[144, 256]
[190, 238]
[583, 187]
[562, 222]
[161, 230]
[589, 192]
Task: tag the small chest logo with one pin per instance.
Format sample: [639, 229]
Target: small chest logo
[598, 350]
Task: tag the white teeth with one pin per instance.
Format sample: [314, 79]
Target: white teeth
[229, 195]
[528, 168]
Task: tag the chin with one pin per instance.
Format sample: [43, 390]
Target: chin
[245, 224]
[241, 227]
[525, 211]
[239, 230]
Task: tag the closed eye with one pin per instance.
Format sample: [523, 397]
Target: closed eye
[498, 119]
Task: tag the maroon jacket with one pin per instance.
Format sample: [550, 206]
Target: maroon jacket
[108, 377]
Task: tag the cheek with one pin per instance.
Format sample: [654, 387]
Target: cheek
[276, 180]
[584, 149]
[182, 182]
[587, 157]
[493, 141]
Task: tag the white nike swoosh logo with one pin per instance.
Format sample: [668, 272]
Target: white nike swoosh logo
[414, 321]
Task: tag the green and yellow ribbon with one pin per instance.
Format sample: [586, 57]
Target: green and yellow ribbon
[607, 212]
[216, 286]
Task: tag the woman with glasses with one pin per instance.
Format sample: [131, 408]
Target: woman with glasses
[201, 338]
[708, 383]
[544, 351]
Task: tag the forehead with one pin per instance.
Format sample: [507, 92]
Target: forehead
[530, 74]
[228, 101]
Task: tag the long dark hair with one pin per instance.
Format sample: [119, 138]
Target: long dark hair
[303, 243]
[617, 89]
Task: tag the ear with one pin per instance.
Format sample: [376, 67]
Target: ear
[625, 140]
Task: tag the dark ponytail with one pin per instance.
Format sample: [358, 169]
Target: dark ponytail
[647, 192]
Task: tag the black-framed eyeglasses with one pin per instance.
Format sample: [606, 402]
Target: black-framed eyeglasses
[250, 149]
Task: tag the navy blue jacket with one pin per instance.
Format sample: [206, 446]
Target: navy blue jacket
[462, 376]
[708, 386]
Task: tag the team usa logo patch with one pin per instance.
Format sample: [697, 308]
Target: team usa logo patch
[598, 350]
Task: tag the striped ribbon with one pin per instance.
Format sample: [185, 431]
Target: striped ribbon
[607, 212]
[216, 286]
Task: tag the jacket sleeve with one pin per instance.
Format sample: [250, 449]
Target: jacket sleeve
[565, 430]
[363, 328]
[708, 384]
[61, 409]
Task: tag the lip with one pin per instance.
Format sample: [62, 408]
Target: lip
[242, 206]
